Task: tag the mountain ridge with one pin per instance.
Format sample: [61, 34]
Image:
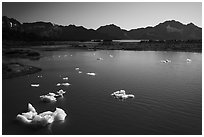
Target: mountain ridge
[168, 30]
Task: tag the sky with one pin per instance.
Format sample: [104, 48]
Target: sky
[92, 15]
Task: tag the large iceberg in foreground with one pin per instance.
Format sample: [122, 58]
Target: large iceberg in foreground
[32, 118]
[120, 94]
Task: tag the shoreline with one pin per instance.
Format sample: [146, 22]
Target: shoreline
[185, 46]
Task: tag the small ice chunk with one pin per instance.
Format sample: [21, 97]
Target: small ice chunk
[65, 78]
[65, 84]
[59, 114]
[52, 94]
[111, 56]
[99, 58]
[120, 94]
[163, 61]
[188, 60]
[61, 91]
[71, 55]
[76, 68]
[91, 74]
[35, 85]
[80, 72]
[48, 98]
[58, 84]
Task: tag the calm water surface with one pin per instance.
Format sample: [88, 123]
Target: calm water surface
[168, 97]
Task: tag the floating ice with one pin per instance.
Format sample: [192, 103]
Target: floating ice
[52, 94]
[35, 85]
[165, 61]
[99, 58]
[61, 92]
[76, 68]
[65, 78]
[80, 72]
[120, 94]
[188, 60]
[63, 84]
[48, 98]
[111, 56]
[91, 74]
[42, 119]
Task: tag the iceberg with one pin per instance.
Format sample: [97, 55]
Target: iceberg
[48, 98]
[111, 56]
[188, 60]
[91, 74]
[61, 91]
[120, 94]
[65, 78]
[76, 68]
[63, 84]
[80, 72]
[165, 61]
[42, 119]
[35, 85]
[99, 58]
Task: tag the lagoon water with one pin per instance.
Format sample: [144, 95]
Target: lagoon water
[168, 96]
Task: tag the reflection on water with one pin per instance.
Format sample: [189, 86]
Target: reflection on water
[167, 99]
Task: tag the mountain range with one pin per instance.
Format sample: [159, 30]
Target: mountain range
[168, 30]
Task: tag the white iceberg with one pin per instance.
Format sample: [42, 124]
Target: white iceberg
[58, 84]
[61, 91]
[63, 84]
[76, 68]
[48, 98]
[120, 94]
[65, 78]
[80, 72]
[52, 94]
[188, 60]
[111, 56]
[91, 74]
[42, 119]
[35, 85]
